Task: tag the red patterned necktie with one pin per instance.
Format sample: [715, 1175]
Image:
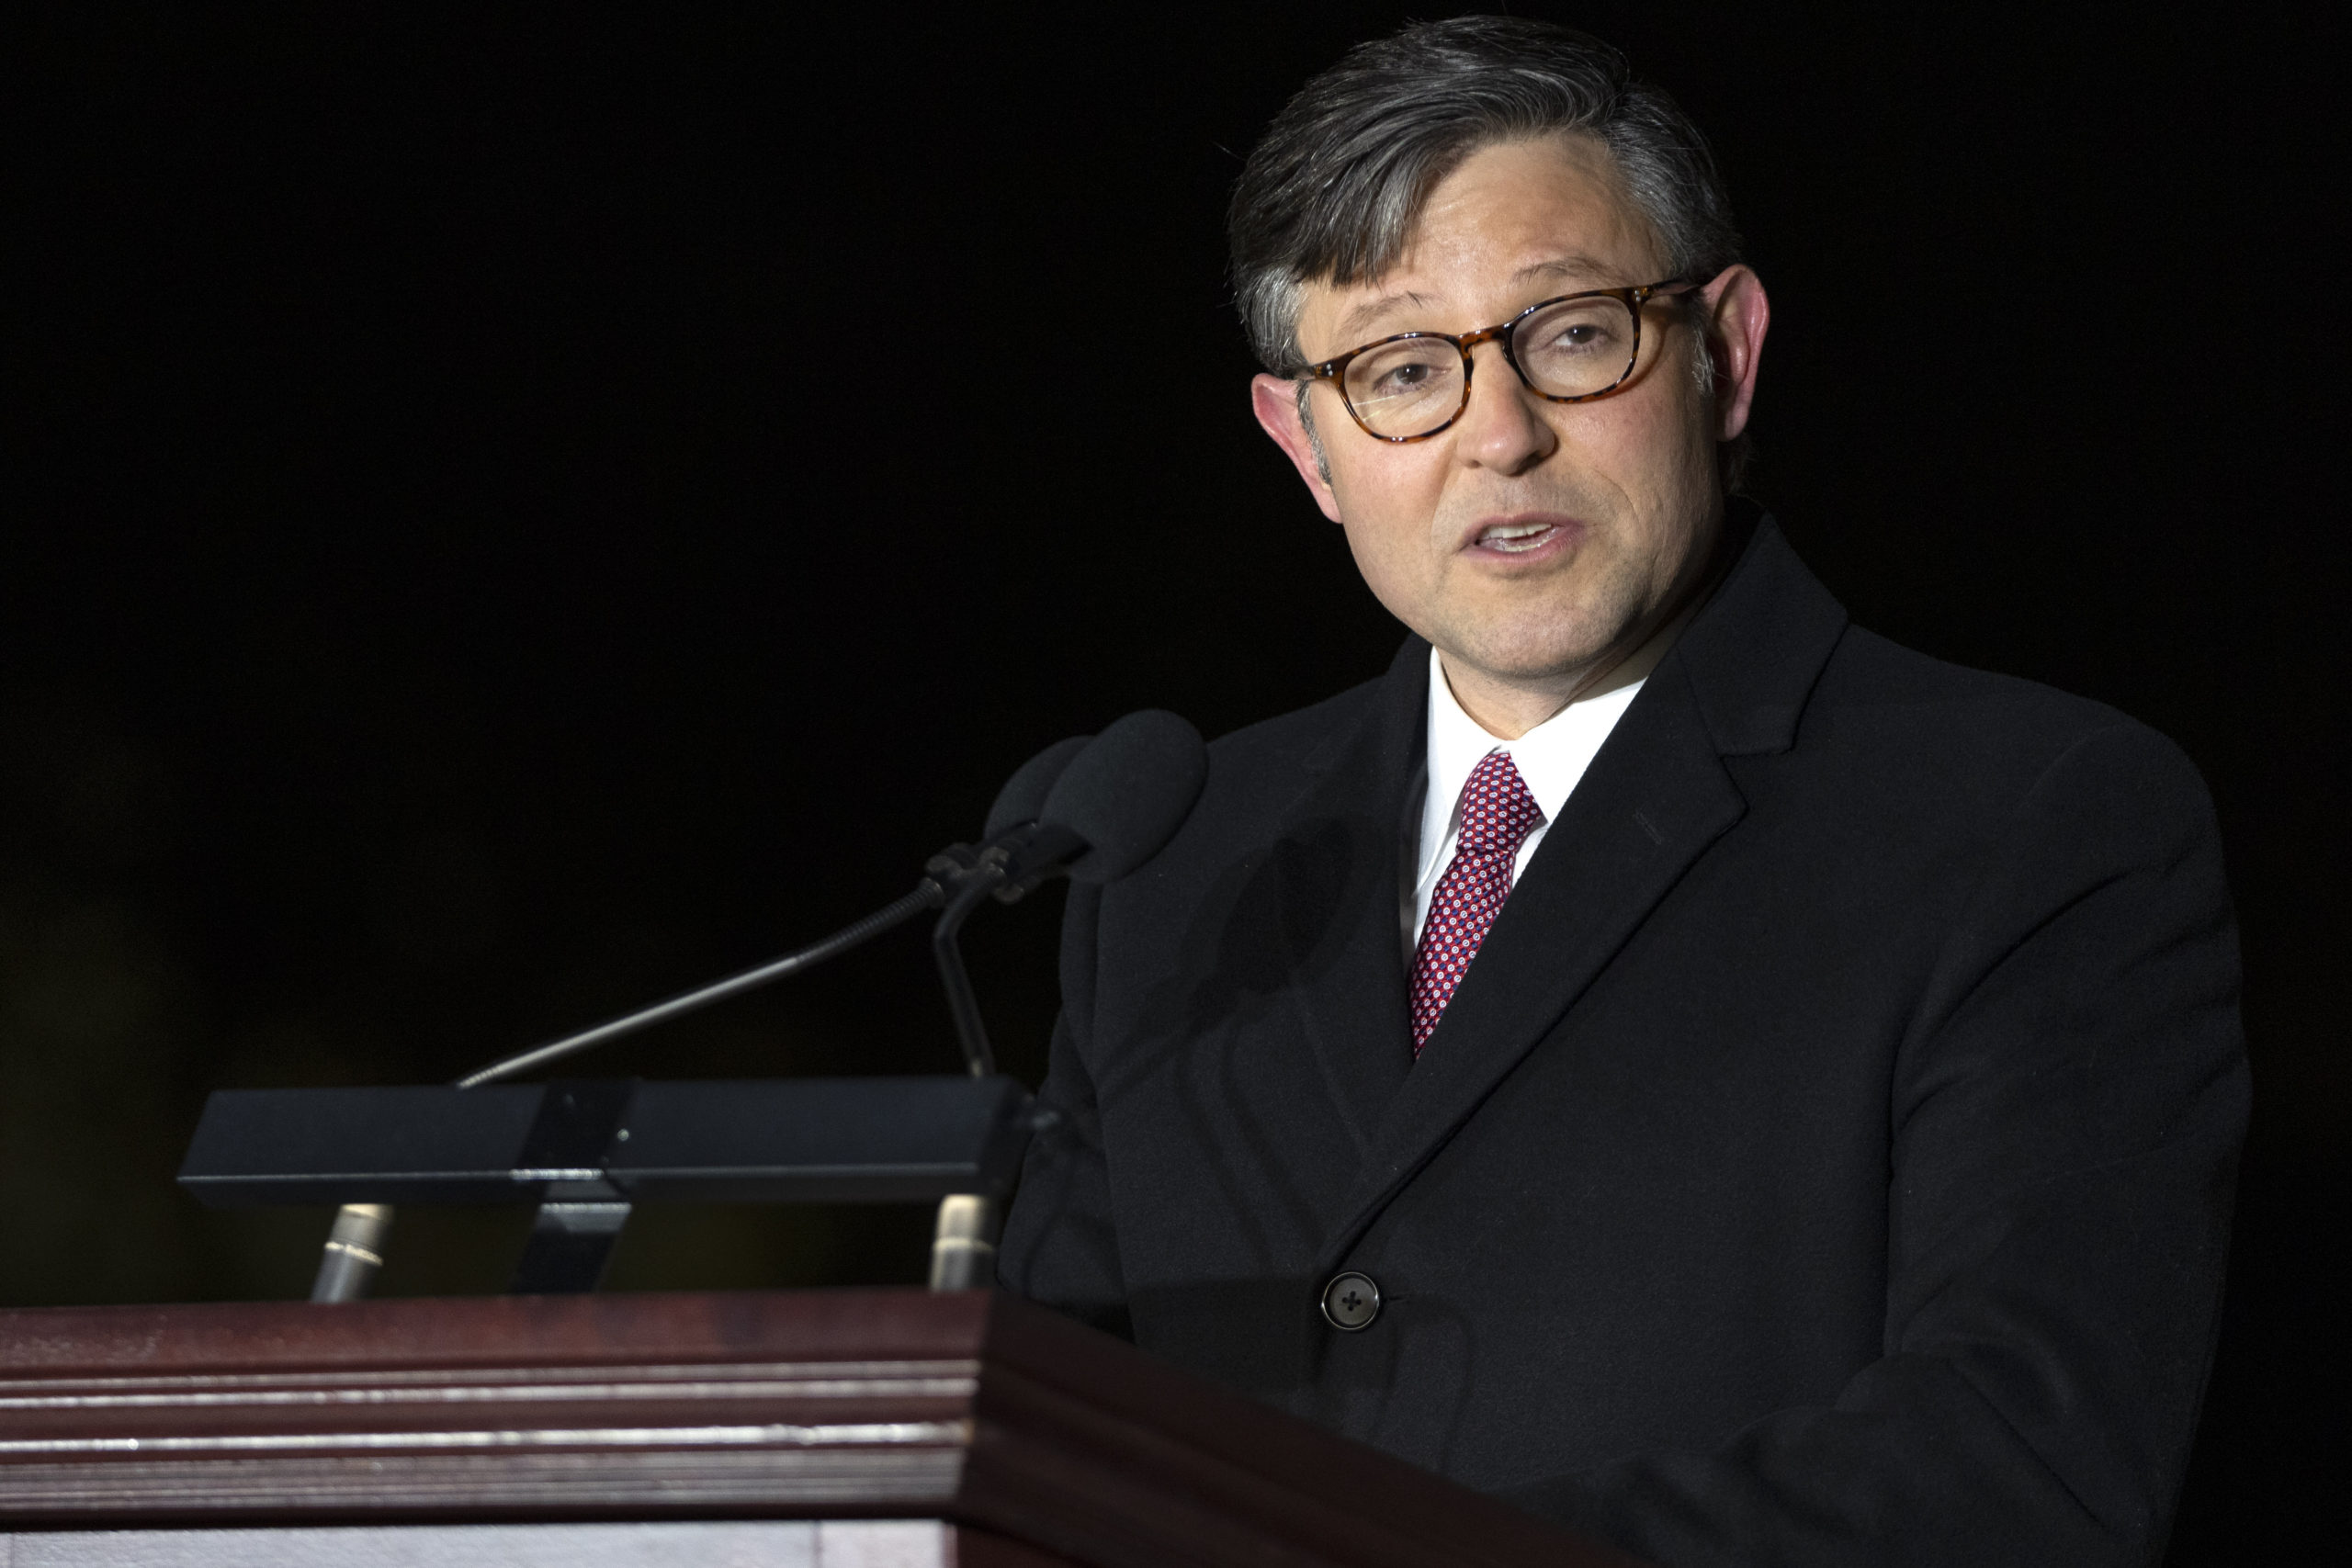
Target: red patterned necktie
[1496, 816]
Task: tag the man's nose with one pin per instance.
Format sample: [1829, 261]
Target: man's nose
[1502, 428]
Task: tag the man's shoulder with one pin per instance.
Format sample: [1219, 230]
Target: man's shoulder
[1878, 699]
[1873, 673]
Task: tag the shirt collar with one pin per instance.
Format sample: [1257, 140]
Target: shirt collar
[1551, 757]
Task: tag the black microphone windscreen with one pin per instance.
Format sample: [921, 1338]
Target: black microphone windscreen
[1127, 793]
[1024, 794]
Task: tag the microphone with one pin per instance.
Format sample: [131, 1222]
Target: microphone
[1023, 798]
[1128, 793]
[1115, 805]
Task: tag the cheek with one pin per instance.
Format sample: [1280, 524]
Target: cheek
[1388, 537]
[1383, 558]
[1386, 497]
[1656, 445]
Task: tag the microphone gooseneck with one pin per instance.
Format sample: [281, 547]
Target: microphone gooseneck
[928, 895]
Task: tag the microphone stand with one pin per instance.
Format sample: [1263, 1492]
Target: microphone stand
[962, 1244]
[963, 1236]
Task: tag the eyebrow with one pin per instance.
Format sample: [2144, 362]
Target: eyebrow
[1361, 318]
[1566, 268]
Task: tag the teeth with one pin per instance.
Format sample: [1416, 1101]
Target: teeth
[1510, 538]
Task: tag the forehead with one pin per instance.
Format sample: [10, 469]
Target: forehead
[1514, 222]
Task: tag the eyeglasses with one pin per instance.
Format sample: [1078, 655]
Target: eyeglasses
[1568, 350]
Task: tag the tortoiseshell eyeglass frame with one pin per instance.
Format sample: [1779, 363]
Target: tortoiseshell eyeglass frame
[1633, 299]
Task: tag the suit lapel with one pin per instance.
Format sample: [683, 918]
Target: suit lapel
[1352, 1010]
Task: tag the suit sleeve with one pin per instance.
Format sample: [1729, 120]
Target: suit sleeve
[1060, 1247]
[2065, 1116]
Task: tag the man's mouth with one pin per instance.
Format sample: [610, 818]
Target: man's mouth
[1516, 536]
[1523, 534]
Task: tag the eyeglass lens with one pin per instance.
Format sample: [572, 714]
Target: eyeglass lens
[1572, 349]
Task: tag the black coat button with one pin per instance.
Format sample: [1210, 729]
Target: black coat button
[1352, 1302]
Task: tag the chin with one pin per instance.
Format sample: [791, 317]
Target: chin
[1565, 636]
[1547, 653]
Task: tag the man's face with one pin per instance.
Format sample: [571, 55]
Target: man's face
[1529, 538]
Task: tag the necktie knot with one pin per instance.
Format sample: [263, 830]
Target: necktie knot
[1498, 813]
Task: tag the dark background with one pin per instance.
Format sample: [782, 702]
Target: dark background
[507, 519]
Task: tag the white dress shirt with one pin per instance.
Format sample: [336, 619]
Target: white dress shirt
[1551, 757]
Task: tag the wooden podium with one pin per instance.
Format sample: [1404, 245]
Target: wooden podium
[830, 1429]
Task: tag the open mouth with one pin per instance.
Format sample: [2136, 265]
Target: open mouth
[1515, 538]
[1520, 536]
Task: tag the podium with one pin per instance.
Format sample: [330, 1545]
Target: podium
[819, 1429]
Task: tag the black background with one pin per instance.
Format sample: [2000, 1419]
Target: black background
[508, 518]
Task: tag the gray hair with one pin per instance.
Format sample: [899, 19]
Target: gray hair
[1332, 191]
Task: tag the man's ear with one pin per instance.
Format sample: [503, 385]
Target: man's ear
[1737, 316]
[1275, 400]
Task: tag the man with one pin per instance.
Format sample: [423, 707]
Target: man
[1662, 1054]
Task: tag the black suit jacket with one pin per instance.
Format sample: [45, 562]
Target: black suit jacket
[1826, 1158]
